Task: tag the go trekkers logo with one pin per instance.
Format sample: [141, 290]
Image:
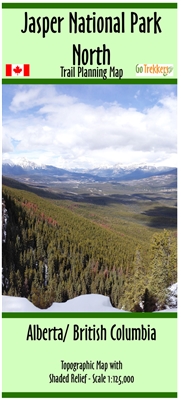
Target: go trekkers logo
[154, 69]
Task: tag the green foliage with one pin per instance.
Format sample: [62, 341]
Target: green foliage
[162, 266]
[53, 254]
[135, 284]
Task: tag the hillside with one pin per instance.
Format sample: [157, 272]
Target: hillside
[53, 253]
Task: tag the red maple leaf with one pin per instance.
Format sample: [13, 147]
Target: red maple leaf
[17, 70]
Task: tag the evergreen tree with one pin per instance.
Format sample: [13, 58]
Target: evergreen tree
[134, 285]
[160, 266]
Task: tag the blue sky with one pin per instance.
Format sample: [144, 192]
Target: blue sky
[89, 125]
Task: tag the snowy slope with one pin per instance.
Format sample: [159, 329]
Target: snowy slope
[86, 302]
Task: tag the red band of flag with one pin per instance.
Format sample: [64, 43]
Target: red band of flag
[8, 69]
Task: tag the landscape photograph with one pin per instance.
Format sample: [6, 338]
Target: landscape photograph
[89, 195]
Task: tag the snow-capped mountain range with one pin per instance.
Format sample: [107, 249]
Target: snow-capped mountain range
[23, 163]
[114, 172]
[120, 170]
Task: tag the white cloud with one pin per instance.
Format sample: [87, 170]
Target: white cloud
[62, 128]
[28, 98]
[6, 142]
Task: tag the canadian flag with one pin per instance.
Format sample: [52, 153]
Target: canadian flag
[17, 69]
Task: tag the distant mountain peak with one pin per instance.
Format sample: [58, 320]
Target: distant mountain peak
[24, 163]
[118, 172]
[8, 162]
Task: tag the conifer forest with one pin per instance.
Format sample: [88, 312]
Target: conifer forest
[56, 247]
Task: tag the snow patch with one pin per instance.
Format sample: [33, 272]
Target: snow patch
[87, 302]
[83, 303]
[171, 301]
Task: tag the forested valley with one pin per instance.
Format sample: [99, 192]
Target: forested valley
[52, 254]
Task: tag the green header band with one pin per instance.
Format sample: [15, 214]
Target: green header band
[89, 5]
[89, 395]
[146, 81]
[88, 315]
